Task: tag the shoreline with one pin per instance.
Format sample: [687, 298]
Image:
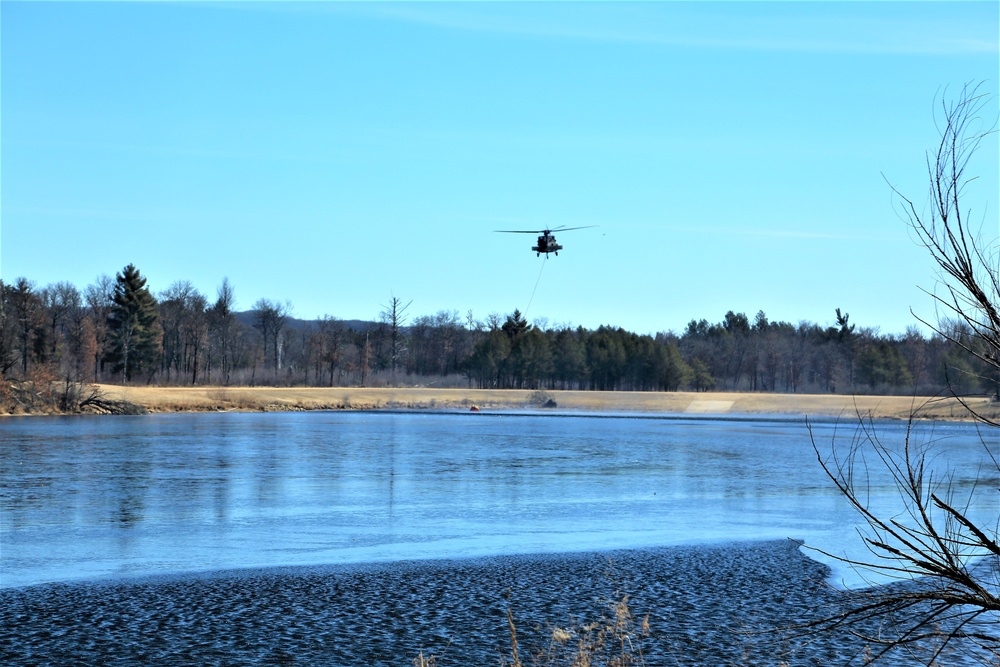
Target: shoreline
[293, 399]
[451, 608]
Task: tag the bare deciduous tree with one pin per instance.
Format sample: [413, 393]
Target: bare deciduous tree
[100, 299]
[328, 347]
[968, 263]
[947, 555]
[8, 331]
[394, 316]
[59, 302]
[270, 318]
[945, 595]
[182, 308]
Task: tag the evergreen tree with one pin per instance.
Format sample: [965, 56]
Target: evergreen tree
[515, 325]
[135, 334]
[223, 329]
[701, 379]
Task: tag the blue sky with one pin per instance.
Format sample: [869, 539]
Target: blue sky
[336, 155]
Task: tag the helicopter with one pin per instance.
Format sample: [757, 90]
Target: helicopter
[546, 242]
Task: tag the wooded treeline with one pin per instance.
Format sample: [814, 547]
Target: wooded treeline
[117, 330]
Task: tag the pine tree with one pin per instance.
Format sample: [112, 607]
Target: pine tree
[135, 334]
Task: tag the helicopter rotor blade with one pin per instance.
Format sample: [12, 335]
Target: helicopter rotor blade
[569, 229]
[542, 231]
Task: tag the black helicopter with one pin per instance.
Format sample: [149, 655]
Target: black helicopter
[546, 242]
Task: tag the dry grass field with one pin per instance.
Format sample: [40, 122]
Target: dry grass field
[178, 399]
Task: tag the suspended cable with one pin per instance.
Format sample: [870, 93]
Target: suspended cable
[537, 280]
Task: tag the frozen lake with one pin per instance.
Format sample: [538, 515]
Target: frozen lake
[98, 497]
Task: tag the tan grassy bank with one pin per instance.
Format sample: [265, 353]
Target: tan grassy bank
[176, 399]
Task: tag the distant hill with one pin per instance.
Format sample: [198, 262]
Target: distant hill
[247, 317]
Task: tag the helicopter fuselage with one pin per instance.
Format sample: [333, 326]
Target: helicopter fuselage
[547, 243]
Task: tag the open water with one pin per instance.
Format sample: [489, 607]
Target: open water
[364, 538]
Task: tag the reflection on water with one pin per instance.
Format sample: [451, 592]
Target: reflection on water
[84, 497]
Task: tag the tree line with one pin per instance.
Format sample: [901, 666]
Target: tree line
[119, 330]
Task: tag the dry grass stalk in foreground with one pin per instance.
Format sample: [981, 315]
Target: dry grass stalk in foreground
[614, 640]
[421, 661]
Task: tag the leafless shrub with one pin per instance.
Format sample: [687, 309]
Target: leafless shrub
[541, 398]
[97, 401]
[967, 298]
[945, 597]
[946, 562]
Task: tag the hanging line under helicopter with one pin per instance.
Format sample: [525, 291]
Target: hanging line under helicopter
[535, 288]
[524, 315]
[546, 244]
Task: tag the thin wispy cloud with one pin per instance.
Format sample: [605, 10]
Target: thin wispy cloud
[749, 26]
[803, 234]
[707, 26]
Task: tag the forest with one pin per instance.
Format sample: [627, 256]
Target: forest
[118, 330]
